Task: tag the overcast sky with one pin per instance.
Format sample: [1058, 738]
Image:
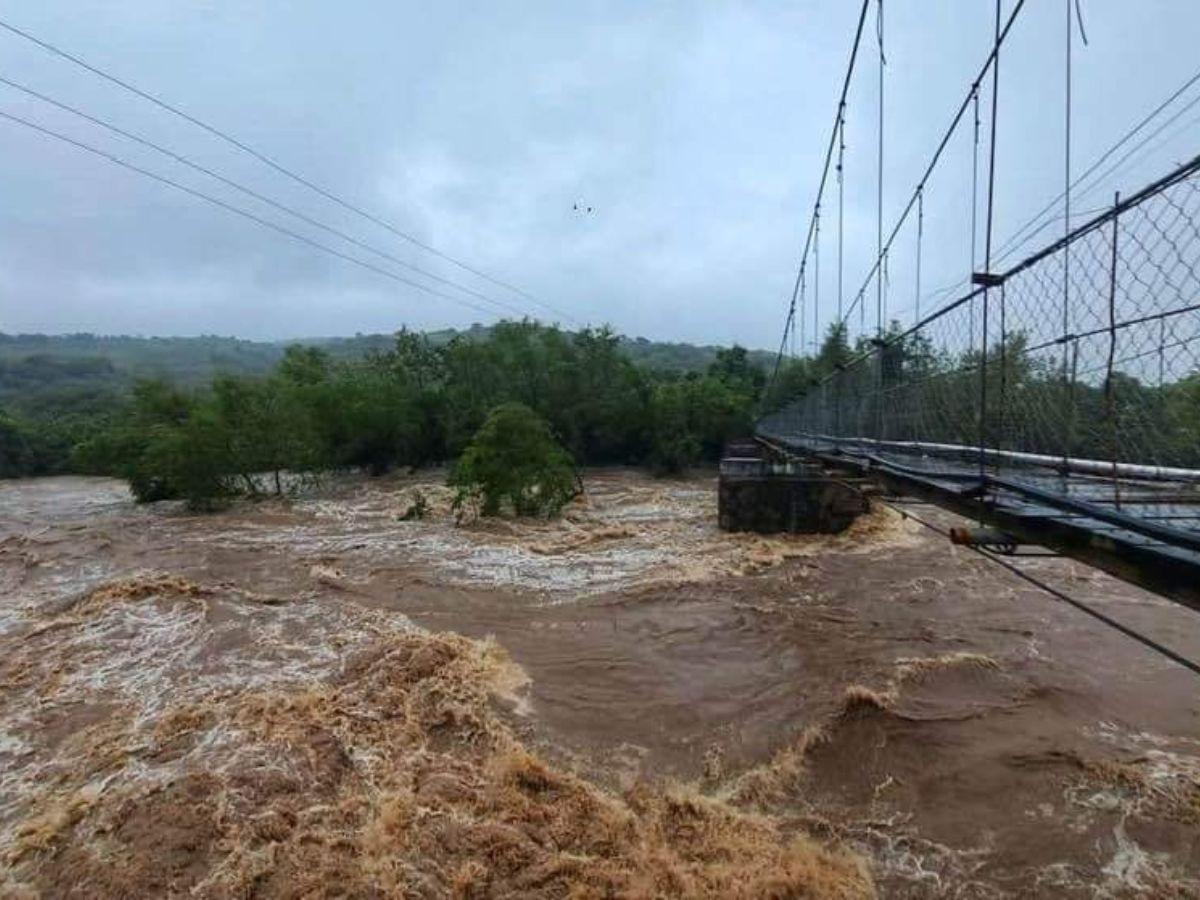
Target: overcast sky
[694, 130]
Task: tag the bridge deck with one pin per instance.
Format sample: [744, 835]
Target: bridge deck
[1145, 529]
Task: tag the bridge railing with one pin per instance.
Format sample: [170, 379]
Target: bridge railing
[1083, 359]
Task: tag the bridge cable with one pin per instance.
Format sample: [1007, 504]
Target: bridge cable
[937, 154]
[271, 163]
[803, 327]
[879, 301]
[974, 211]
[1019, 238]
[987, 252]
[1129, 135]
[862, 18]
[879, 310]
[1059, 595]
[237, 210]
[250, 192]
[920, 234]
[1110, 410]
[816, 273]
[841, 178]
[1066, 249]
[1181, 172]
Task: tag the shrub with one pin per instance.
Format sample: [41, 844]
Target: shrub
[514, 463]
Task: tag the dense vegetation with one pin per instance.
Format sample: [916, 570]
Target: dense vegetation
[513, 463]
[33, 365]
[419, 399]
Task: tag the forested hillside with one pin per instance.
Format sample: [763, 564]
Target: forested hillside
[91, 403]
[32, 361]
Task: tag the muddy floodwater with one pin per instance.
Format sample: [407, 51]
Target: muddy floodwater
[318, 697]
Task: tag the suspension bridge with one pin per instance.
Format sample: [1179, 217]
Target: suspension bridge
[1055, 400]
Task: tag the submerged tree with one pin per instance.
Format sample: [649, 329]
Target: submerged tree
[514, 463]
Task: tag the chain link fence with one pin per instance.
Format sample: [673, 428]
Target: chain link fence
[1077, 370]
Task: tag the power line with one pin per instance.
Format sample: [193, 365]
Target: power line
[237, 210]
[1008, 248]
[271, 163]
[964, 283]
[250, 192]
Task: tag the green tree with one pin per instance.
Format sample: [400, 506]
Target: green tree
[514, 463]
[14, 448]
[835, 350]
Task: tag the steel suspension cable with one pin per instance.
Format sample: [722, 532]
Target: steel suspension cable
[862, 18]
[987, 252]
[803, 320]
[841, 178]
[1020, 234]
[879, 311]
[974, 209]
[1066, 286]
[1150, 643]
[920, 234]
[937, 154]
[816, 275]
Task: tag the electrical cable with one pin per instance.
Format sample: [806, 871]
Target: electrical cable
[273, 164]
[1007, 249]
[250, 192]
[237, 210]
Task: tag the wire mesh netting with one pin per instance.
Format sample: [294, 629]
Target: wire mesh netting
[1077, 370]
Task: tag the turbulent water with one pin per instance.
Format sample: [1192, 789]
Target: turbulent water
[290, 697]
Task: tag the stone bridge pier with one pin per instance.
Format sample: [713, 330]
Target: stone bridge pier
[767, 493]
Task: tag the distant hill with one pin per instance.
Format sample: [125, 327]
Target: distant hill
[63, 370]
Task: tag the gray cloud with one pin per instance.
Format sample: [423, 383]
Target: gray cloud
[695, 130]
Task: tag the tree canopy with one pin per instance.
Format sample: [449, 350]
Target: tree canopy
[414, 402]
[514, 463]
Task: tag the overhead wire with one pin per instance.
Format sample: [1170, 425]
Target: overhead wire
[237, 210]
[1007, 248]
[273, 164]
[250, 192]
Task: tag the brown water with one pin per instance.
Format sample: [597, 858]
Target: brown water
[882, 691]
